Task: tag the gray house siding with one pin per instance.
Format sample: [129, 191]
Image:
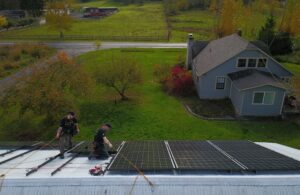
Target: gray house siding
[206, 84]
[272, 65]
[250, 109]
[237, 97]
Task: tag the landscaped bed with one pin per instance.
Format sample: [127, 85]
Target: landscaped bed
[211, 109]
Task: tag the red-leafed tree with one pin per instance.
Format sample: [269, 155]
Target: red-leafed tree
[180, 82]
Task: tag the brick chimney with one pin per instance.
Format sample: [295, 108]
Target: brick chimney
[190, 42]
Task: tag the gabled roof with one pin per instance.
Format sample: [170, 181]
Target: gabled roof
[218, 51]
[252, 78]
[197, 47]
[262, 46]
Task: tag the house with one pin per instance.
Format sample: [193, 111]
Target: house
[245, 72]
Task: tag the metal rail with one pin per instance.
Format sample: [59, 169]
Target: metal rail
[35, 169]
[63, 165]
[20, 148]
[19, 155]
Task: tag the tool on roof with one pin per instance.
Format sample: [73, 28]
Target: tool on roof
[96, 171]
[35, 169]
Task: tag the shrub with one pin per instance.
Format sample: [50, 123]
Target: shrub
[161, 72]
[15, 53]
[7, 65]
[179, 82]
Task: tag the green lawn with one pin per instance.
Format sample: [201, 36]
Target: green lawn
[149, 20]
[196, 21]
[153, 115]
[131, 20]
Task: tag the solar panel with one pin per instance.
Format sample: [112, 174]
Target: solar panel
[256, 157]
[146, 155]
[200, 155]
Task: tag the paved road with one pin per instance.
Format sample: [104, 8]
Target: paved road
[77, 48]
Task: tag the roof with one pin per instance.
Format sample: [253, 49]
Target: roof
[197, 47]
[74, 179]
[262, 46]
[218, 51]
[252, 78]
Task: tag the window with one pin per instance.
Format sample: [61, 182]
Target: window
[252, 63]
[269, 98]
[285, 79]
[266, 98]
[262, 62]
[220, 84]
[258, 98]
[242, 63]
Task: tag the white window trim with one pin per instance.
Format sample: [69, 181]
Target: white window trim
[266, 65]
[264, 92]
[247, 62]
[255, 63]
[225, 81]
[237, 62]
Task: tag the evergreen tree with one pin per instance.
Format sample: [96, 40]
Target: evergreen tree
[267, 32]
[279, 43]
[282, 44]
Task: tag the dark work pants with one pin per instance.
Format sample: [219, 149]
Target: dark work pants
[65, 140]
[100, 153]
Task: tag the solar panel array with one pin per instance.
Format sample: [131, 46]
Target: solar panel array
[200, 155]
[228, 156]
[256, 157]
[146, 155]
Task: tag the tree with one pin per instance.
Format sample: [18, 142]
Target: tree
[49, 91]
[226, 24]
[291, 18]
[267, 32]
[9, 4]
[279, 43]
[3, 21]
[213, 7]
[34, 7]
[119, 73]
[57, 16]
[282, 44]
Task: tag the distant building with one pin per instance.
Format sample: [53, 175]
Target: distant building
[245, 72]
[98, 11]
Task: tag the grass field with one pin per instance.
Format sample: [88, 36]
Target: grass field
[149, 20]
[196, 21]
[153, 115]
[131, 20]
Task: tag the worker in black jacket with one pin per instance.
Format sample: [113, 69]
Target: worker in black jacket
[67, 129]
[100, 139]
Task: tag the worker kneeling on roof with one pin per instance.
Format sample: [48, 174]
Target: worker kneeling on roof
[100, 139]
[68, 128]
